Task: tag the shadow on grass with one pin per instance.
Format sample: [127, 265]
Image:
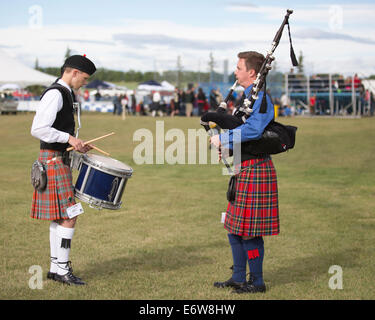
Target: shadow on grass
[307, 269]
[152, 260]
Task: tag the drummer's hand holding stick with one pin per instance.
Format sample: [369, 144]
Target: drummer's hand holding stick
[90, 141]
[79, 145]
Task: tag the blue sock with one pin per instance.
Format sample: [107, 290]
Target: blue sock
[254, 250]
[239, 258]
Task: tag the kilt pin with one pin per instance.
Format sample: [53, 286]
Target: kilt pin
[255, 210]
[51, 204]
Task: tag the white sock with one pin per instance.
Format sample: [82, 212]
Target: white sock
[53, 246]
[64, 237]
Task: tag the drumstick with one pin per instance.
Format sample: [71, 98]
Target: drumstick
[100, 150]
[96, 139]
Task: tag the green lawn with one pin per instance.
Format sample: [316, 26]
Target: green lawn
[167, 242]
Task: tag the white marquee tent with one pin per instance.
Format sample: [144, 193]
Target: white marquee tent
[155, 86]
[369, 85]
[14, 72]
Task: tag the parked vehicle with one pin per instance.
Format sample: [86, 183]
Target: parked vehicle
[8, 105]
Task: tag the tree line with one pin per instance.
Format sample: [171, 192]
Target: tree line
[172, 76]
[178, 77]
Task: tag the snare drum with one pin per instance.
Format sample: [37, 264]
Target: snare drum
[101, 181]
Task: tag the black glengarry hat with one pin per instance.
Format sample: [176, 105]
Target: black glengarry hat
[81, 63]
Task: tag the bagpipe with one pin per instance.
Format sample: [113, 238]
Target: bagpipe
[276, 137]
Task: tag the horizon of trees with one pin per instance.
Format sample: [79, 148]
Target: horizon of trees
[172, 76]
[178, 77]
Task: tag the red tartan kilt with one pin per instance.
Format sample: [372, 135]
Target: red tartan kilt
[51, 204]
[255, 210]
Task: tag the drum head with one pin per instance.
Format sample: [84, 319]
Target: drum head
[108, 164]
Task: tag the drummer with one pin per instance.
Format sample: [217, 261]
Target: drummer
[54, 126]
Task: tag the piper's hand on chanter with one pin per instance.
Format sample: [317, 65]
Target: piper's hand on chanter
[215, 141]
[79, 145]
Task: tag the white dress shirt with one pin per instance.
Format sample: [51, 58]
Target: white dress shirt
[45, 116]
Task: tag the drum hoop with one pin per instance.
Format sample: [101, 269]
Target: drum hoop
[97, 202]
[122, 174]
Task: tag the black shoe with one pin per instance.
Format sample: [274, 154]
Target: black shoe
[71, 271]
[251, 279]
[250, 288]
[68, 265]
[229, 283]
[69, 279]
[51, 275]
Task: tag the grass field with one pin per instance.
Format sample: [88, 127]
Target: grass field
[167, 242]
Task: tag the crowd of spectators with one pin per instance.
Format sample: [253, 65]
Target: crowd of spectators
[195, 101]
[319, 88]
[190, 102]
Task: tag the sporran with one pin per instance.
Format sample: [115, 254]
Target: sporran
[38, 176]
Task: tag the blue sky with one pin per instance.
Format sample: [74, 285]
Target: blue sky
[83, 12]
[145, 35]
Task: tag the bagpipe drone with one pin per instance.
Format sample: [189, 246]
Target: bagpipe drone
[276, 137]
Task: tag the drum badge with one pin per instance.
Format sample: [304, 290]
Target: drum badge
[114, 186]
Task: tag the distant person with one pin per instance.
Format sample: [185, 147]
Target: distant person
[285, 104]
[54, 126]
[212, 98]
[172, 106]
[98, 96]
[176, 98]
[147, 103]
[86, 95]
[133, 102]
[312, 104]
[201, 101]
[182, 102]
[156, 104]
[219, 96]
[348, 84]
[124, 103]
[190, 99]
[357, 81]
[138, 108]
[116, 104]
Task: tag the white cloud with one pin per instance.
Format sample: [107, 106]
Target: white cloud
[148, 44]
[319, 34]
[318, 14]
